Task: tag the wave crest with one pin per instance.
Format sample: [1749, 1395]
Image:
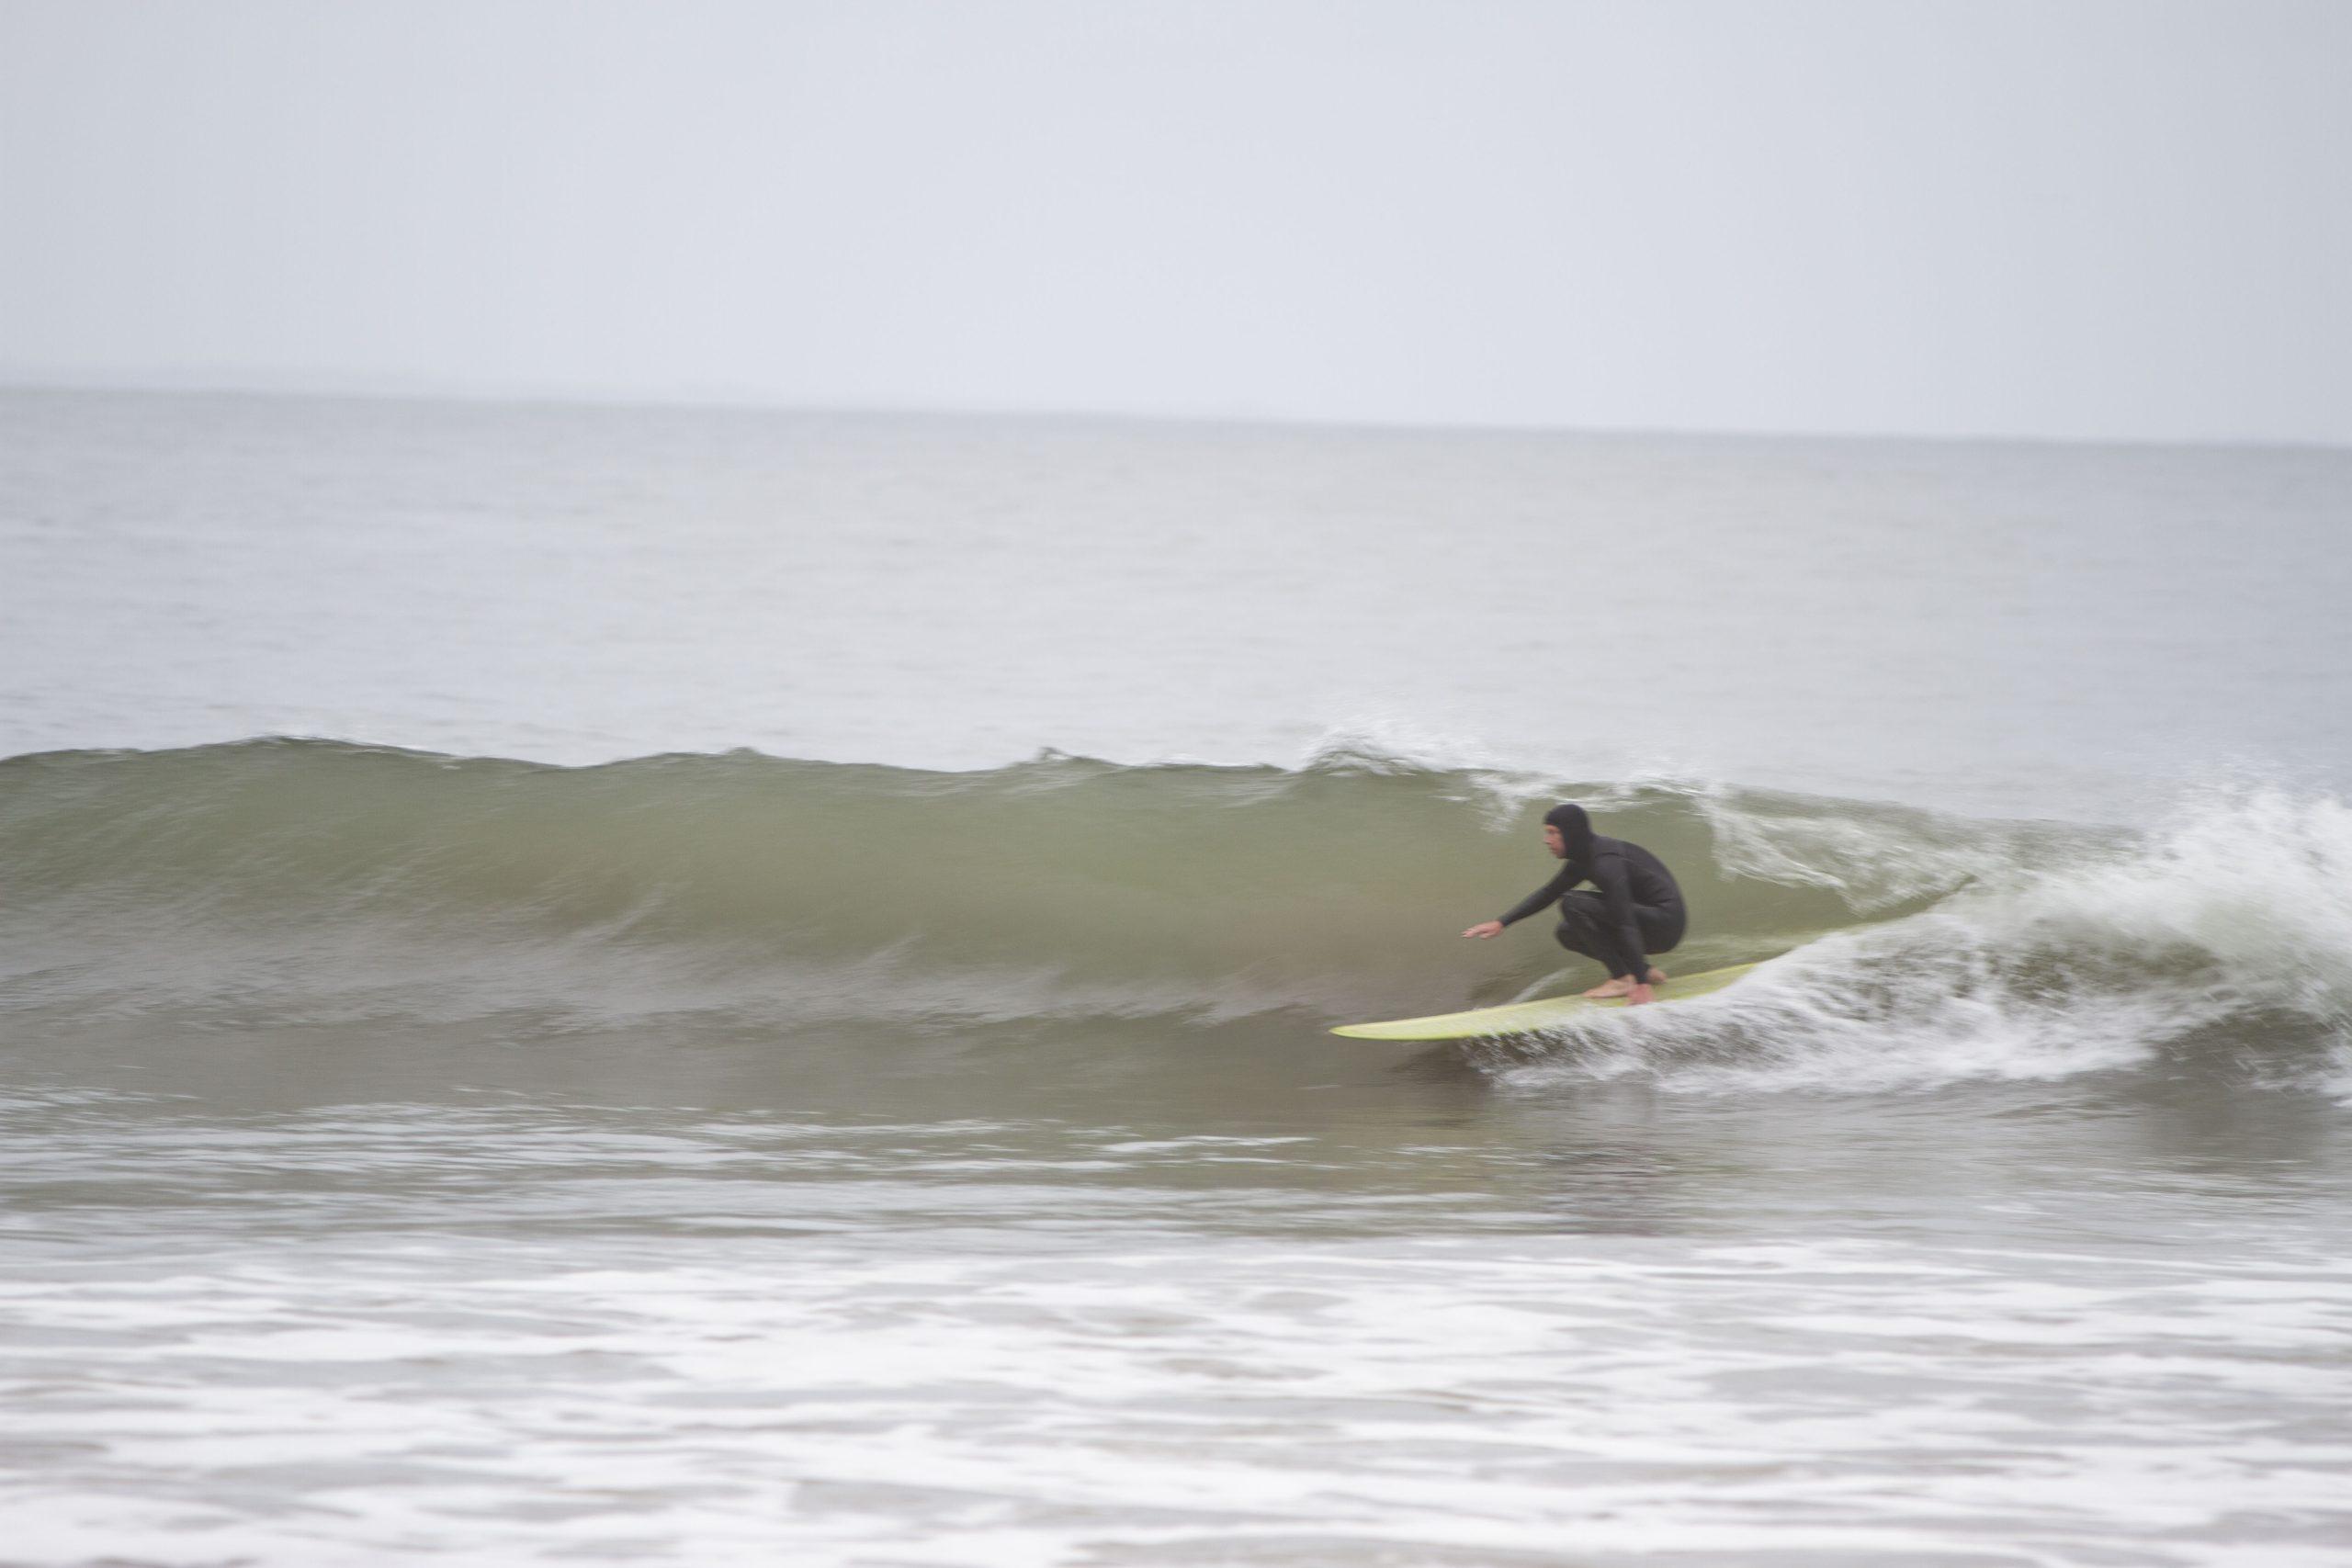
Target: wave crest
[322, 880]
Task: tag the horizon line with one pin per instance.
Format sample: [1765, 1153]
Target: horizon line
[393, 390]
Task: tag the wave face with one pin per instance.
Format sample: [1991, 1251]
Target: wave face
[300, 883]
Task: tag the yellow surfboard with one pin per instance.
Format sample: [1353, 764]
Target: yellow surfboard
[1527, 1017]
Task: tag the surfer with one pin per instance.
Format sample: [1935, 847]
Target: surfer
[1637, 911]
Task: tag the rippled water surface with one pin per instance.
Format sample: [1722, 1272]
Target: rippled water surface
[700, 988]
[1455, 1326]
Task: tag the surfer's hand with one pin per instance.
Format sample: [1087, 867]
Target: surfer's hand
[1640, 994]
[1486, 928]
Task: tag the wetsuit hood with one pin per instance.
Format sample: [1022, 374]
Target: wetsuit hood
[1576, 832]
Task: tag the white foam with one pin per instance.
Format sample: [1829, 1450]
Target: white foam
[2237, 909]
[1202, 1399]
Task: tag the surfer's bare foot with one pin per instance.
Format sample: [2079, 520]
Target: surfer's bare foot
[1607, 989]
[1657, 975]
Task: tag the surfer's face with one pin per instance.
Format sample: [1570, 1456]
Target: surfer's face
[1554, 842]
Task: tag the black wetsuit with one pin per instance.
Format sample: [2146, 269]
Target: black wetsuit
[1638, 910]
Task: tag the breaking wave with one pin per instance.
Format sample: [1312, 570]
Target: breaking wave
[316, 882]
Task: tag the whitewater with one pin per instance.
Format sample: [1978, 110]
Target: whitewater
[713, 986]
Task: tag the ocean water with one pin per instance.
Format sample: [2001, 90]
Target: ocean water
[714, 987]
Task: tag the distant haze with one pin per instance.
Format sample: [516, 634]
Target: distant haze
[2127, 220]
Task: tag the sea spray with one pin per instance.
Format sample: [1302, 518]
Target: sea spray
[2220, 939]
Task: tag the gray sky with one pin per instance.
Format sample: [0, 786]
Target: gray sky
[2055, 218]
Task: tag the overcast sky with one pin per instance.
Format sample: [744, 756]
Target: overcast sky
[2055, 218]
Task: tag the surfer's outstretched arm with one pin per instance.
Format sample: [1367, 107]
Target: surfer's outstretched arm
[1550, 893]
